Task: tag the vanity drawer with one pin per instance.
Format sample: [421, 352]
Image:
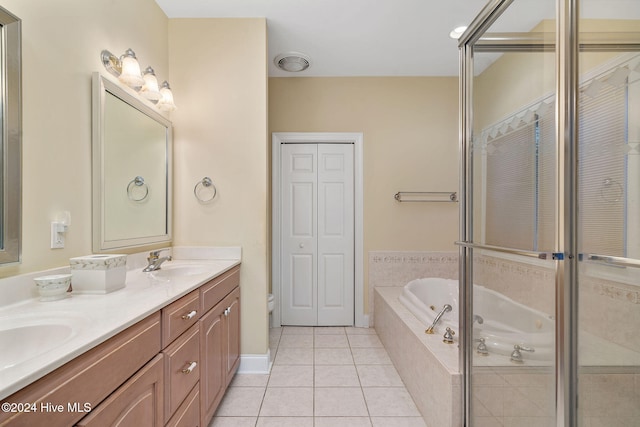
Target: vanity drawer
[214, 291]
[182, 369]
[188, 414]
[179, 316]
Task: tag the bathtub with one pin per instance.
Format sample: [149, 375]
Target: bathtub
[505, 322]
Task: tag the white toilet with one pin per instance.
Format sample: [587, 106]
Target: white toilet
[271, 302]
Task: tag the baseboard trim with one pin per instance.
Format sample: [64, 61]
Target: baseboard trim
[255, 363]
[363, 321]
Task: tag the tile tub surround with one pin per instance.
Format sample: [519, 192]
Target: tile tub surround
[392, 268]
[103, 316]
[616, 303]
[503, 394]
[428, 367]
[322, 377]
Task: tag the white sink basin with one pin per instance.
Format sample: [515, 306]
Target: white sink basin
[23, 337]
[172, 271]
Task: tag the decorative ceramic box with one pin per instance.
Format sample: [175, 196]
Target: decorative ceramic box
[98, 274]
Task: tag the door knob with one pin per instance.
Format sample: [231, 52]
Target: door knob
[301, 245]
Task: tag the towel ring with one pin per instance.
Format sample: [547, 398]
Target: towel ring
[206, 183]
[137, 182]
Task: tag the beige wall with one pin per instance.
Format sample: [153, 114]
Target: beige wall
[61, 45]
[410, 127]
[219, 79]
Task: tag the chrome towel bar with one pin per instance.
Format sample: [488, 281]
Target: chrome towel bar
[426, 196]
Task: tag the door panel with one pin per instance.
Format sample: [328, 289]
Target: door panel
[299, 240]
[335, 234]
[302, 281]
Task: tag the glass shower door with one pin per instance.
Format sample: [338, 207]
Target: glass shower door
[512, 233]
[608, 123]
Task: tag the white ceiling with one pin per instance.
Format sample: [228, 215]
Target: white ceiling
[379, 37]
[351, 37]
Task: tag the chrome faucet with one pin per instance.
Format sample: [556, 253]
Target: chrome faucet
[478, 318]
[516, 355]
[447, 338]
[482, 348]
[155, 261]
[445, 309]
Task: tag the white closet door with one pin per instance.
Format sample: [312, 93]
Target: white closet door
[335, 234]
[299, 234]
[317, 190]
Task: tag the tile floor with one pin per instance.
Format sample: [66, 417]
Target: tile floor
[321, 377]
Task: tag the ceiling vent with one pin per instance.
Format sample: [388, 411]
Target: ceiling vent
[292, 62]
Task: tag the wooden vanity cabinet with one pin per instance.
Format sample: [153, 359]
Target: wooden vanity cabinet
[171, 368]
[220, 341]
[211, 347]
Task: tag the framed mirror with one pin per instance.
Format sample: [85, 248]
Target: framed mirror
[132, 146]
[10, 138]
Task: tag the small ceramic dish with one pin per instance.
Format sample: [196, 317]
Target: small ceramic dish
[54, 287]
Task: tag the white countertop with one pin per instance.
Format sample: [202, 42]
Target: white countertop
[100, 317]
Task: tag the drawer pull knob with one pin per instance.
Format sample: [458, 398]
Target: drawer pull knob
[190, 368]
[189, 315]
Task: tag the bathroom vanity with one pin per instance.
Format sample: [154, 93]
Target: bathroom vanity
[160, 363]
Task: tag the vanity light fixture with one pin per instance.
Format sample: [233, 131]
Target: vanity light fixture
[127, 69]
[150, 88]
[166, 102]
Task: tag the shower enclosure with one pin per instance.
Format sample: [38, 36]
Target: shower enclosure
[550, 213]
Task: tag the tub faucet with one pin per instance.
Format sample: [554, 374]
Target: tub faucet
[445, 309]
[482, 348]
[155, 261]
[478, 318]
[516, 355]
[447, 338]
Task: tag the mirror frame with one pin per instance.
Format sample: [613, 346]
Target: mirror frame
[11, 144]
[102, 85]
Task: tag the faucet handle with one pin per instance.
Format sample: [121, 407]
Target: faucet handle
[156, 253]
[448, 336]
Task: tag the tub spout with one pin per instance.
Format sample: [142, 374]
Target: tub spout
[478, 318]
[445, 309]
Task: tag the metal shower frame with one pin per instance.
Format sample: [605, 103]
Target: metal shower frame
[565, 253]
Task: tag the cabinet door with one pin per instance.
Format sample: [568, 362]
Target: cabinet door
[137, 403]
[232, 334]
[212, 380]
